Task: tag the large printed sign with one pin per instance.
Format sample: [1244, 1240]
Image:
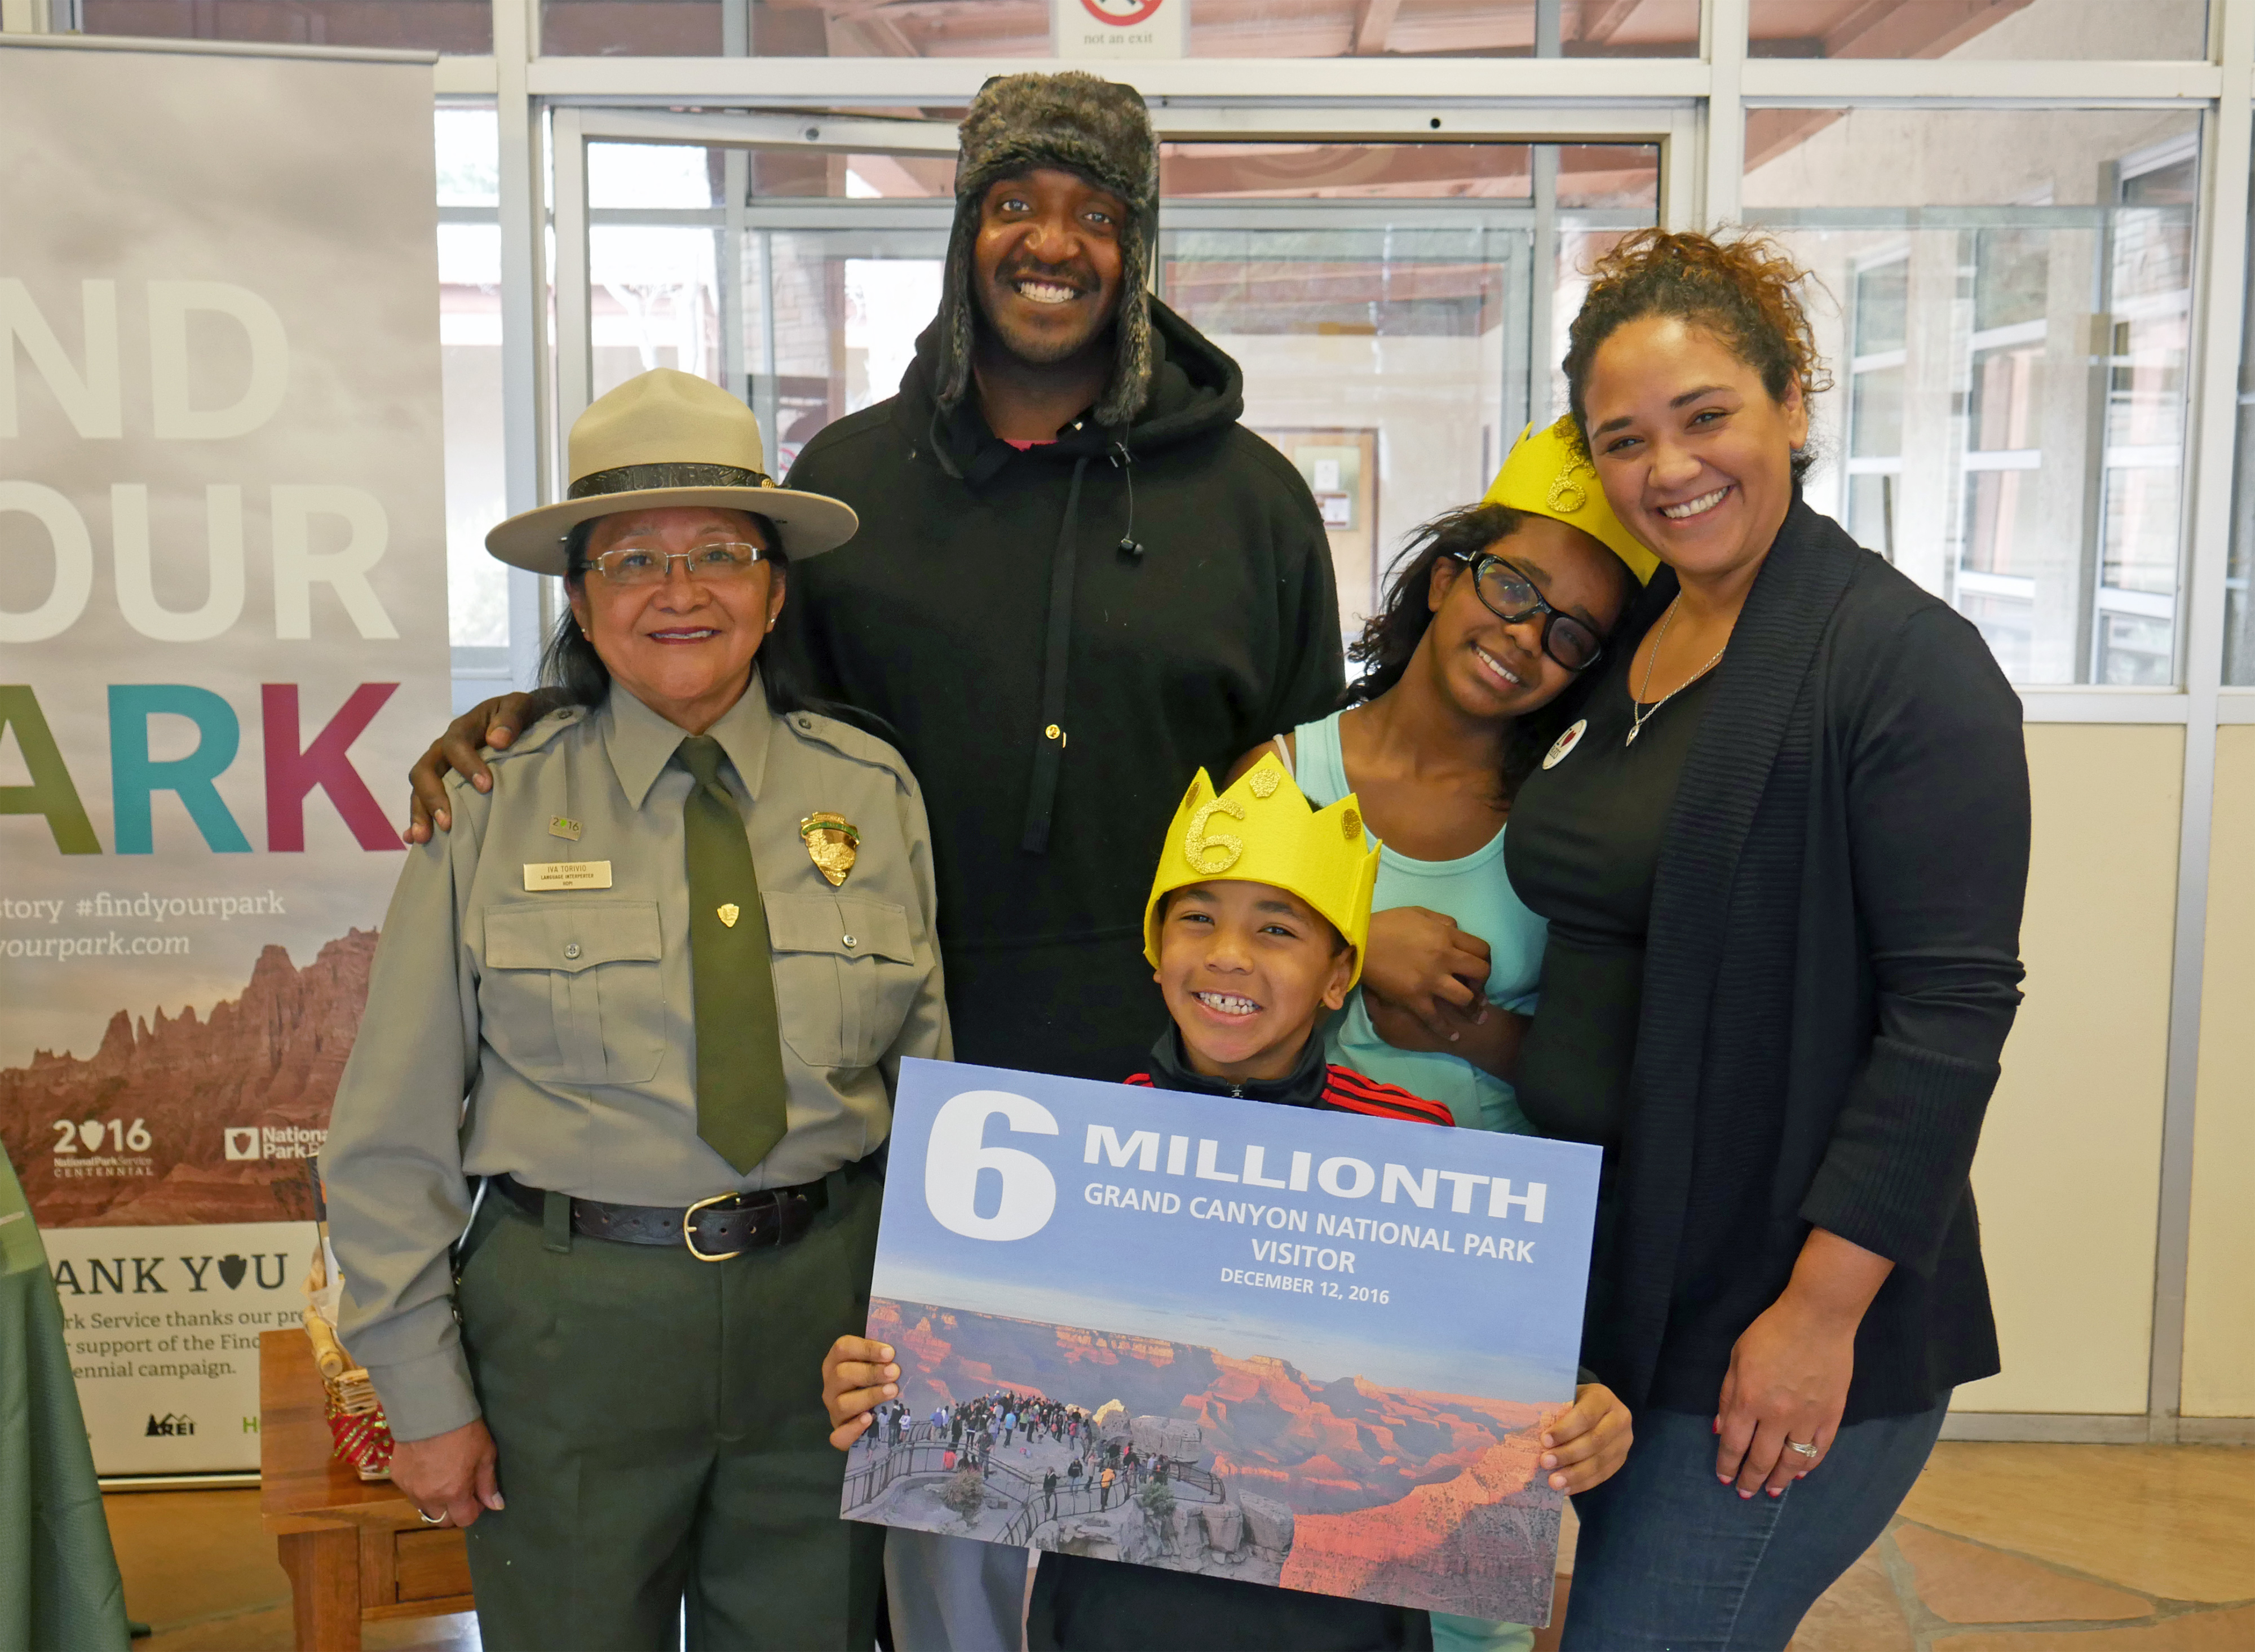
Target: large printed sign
[1311, 1349]
[222, 637]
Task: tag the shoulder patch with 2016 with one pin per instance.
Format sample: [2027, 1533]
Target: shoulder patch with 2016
[566, 874]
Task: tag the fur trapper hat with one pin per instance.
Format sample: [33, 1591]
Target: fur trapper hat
[1098, 128]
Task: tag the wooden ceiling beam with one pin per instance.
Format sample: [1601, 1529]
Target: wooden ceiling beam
[1372, 24]
[1602, 19]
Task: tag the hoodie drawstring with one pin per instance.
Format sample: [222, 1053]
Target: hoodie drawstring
[1049, 746]
[1124, 461]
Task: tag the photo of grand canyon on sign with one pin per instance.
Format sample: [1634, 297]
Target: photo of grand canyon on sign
[1244, 1468]
[1314, 1350]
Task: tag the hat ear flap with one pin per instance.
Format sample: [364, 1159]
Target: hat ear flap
[957, 327]
[1131, 367]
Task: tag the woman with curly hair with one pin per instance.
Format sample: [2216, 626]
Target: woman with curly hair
[1781, 853]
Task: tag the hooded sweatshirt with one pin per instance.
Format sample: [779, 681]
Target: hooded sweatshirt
[987, 599]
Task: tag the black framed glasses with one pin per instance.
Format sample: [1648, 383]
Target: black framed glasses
[1508, 594]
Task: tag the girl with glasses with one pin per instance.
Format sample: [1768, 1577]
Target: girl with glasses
[1497, 611]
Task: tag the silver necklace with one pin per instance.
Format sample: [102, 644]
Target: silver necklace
[1637, 712]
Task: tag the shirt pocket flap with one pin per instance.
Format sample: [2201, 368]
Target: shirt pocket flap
[571, 935]
[852, 925]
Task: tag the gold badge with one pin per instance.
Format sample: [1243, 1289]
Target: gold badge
[560, 826]
[831, 844]
[728, 914]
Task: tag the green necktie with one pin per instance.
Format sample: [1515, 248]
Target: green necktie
[739, 1085]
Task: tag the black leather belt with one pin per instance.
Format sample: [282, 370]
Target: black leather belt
[714, 1229]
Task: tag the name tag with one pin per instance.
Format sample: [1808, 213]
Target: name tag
[567, 874]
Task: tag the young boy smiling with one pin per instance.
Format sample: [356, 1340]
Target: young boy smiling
[1255, 927]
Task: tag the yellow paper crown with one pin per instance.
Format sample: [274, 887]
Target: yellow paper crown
[1263, 831]
[1547, 474]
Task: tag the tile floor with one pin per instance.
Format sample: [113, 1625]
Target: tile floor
[2000, 1549]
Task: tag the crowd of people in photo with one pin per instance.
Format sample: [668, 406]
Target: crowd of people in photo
[1100, 1469]
[973, 1429]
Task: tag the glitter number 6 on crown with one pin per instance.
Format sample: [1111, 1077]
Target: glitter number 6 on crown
[1196, 845]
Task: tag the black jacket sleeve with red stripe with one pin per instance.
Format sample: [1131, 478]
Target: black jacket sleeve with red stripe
[1345, 1091]
[1349, 1092]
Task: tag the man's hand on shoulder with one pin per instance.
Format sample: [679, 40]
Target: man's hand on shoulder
[496, 723]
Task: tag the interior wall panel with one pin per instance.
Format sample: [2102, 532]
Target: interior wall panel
[2069, 1166]
[2219, 1371]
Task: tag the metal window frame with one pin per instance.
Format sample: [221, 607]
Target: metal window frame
[574, 125]
[1694, 107]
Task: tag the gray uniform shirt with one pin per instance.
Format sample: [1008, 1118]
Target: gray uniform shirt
[549, 1032]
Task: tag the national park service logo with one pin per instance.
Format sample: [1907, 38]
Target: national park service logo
[831, 844]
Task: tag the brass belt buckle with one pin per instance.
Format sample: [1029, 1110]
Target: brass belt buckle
[688, 1228]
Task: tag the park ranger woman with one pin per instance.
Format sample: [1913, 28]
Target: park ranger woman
[643, 1011]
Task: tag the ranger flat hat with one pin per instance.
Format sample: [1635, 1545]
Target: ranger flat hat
[666, 438]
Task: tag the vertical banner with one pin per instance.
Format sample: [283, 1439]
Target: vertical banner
[222, 639]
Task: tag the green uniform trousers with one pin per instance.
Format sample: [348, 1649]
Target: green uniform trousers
[59, 1583]
[660, 1438]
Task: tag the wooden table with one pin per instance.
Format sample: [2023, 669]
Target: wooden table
[354, 1548]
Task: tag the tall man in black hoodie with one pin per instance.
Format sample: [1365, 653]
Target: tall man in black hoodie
[1078, 581]
[1077, 576]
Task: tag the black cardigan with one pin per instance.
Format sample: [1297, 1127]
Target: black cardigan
[1832, 965]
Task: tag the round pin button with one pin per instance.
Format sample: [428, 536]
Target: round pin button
[849, 940]
[572, 949]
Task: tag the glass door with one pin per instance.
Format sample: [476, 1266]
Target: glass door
[1385, 300]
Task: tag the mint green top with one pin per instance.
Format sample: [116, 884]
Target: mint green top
[1474, 891]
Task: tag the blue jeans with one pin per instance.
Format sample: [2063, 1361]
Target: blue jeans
[1671, 1560]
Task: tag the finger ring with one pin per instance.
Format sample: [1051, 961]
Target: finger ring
[430, 1519]
[1808, 1449]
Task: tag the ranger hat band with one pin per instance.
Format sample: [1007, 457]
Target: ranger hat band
[665, 438]
[632, 478]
